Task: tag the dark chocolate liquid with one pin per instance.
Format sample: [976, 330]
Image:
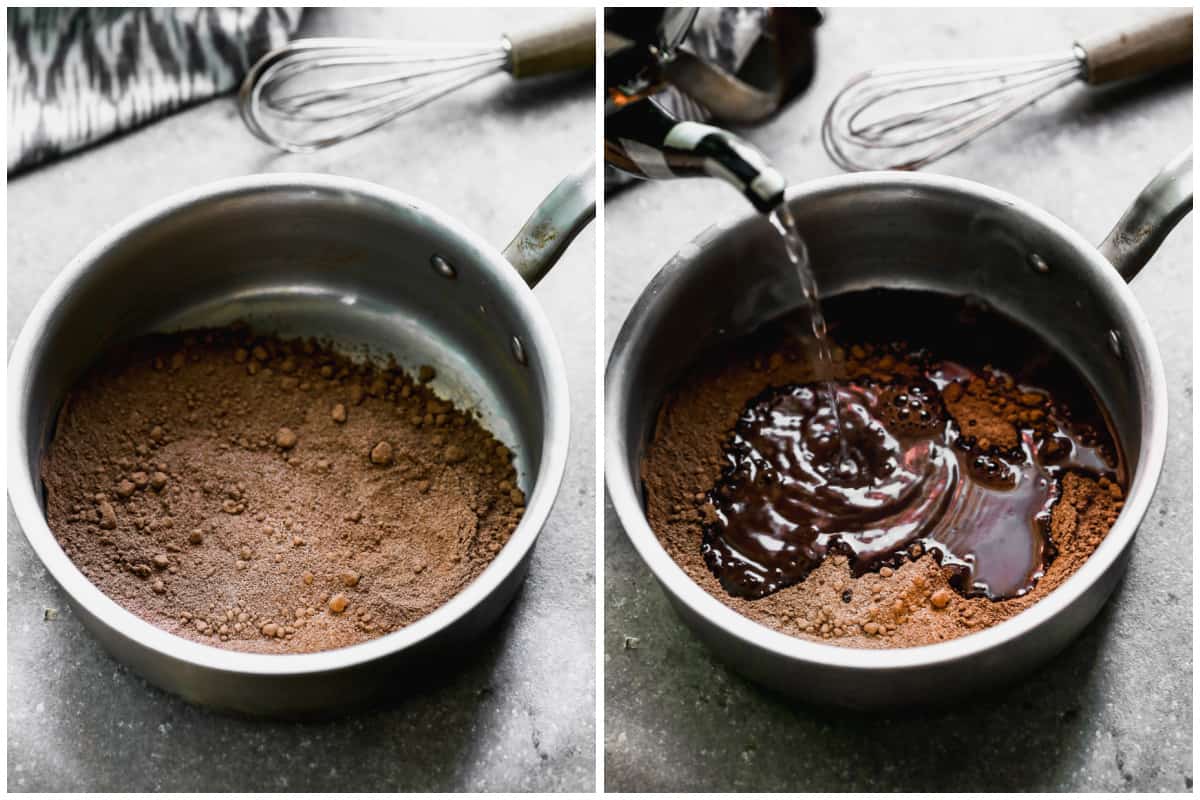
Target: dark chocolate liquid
[900, 476]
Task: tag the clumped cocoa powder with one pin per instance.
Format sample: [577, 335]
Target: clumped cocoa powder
[273, 496]
[909, 605]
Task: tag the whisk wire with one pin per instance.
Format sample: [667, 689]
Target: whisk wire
[868, 127]
[947, 111]
[281, 106]
[361, 95]
[405, 99]
[297, 101]
[368, 117]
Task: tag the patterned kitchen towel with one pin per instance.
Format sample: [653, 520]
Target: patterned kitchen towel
[77, 76]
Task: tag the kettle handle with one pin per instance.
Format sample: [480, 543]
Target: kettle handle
[645, 140]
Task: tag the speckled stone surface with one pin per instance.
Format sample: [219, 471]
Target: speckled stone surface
[519, 714]
[1113, 712]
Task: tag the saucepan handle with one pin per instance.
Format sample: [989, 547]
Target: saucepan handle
[554, 224]
[1154, 214]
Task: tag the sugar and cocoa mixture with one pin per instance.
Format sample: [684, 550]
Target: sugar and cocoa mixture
[273, 496]
[1012, 390]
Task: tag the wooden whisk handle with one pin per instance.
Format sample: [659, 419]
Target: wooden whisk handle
[1129, 53]
[559, 47]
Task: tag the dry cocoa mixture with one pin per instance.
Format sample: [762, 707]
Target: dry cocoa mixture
[273, 496]
[914, 603]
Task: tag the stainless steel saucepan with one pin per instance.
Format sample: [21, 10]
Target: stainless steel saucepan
[915, 231]
[322, 256]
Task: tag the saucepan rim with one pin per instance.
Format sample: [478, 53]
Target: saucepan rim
[622, 483]
[24, 477]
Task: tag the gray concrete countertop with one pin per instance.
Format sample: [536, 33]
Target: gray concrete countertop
[1114, 711]
[520, 714]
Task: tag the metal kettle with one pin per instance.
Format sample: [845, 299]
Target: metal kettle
[652, 82]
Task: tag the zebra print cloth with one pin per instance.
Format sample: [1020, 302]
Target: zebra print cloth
[77, 76]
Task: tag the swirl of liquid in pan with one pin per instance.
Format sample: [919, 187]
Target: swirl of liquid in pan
[902, 478]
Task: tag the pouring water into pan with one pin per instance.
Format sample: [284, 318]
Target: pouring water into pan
[730, 280]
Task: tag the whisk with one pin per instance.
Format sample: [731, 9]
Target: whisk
[909, 115]
[313, 93]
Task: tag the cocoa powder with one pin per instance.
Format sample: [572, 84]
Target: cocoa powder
[273, 496]
[907, 605]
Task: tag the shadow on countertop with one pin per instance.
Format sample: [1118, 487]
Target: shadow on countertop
[678, 719]
[110, 730]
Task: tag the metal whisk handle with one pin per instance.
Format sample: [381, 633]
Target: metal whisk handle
[1129, 53]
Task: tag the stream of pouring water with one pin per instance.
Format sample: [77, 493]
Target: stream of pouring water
[797, 252]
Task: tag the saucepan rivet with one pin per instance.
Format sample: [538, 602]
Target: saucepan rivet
[1114, 343]
[1038, 263]
[518, 349]
[443, 267]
